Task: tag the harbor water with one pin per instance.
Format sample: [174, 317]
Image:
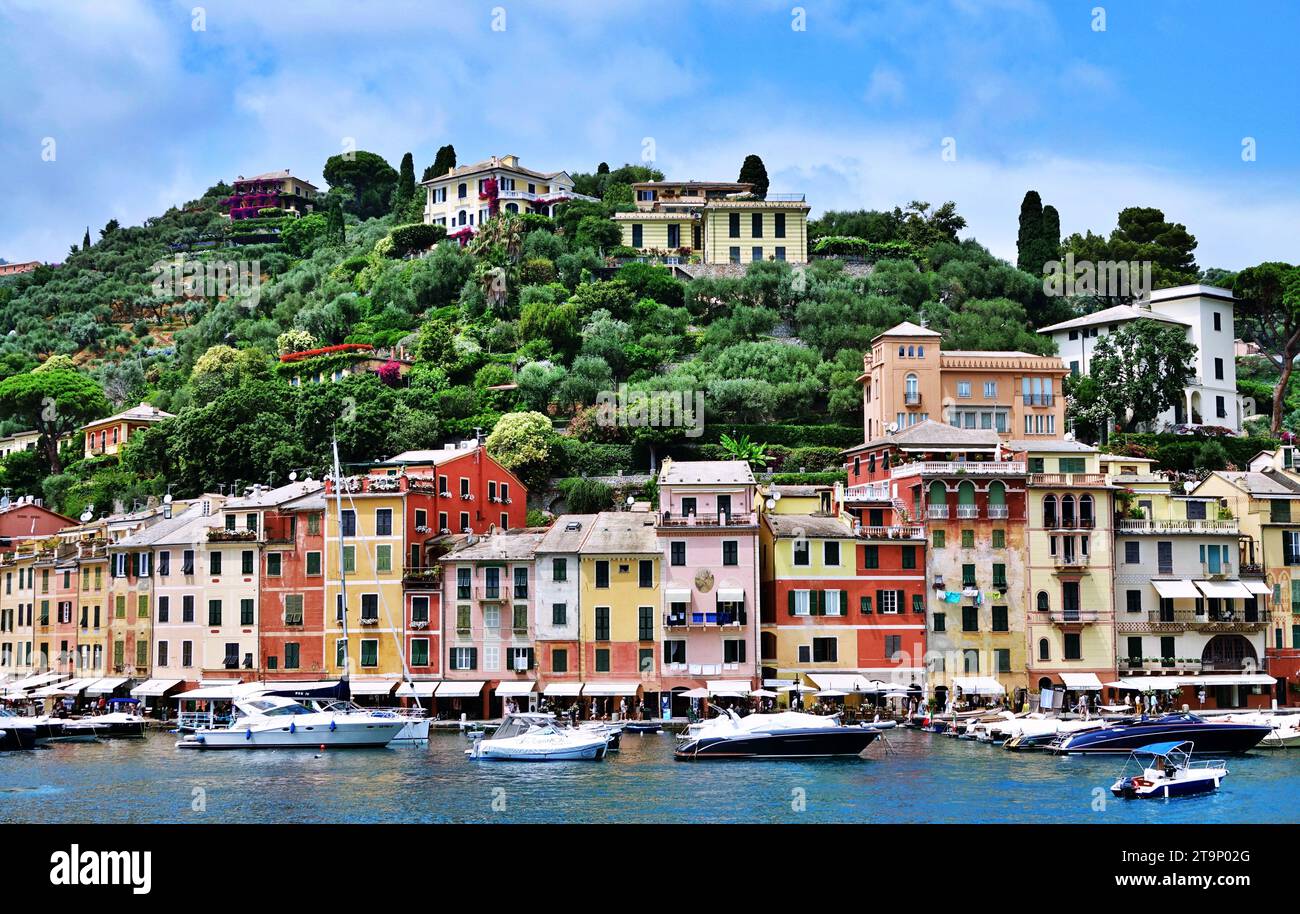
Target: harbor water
[923, 778]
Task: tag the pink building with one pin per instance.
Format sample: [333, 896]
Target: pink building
[708, 528]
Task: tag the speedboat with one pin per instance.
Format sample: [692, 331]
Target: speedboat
[539, 738]
[415, 725]
[644, 726]
[276, 722]
[114, 724]
[1285, 728]
[613, 731]
[789, 734]
[1042, 737]
[1213, 736]
[44, 727]
[1167, 770]
[16, 732]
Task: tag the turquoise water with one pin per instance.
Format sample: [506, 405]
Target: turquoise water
[925, 778]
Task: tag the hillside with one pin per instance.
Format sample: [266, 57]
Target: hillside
[528, 317]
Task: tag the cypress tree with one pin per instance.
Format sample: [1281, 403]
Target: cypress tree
[1031, 232]
[405, 184]
[85, 242]
[754, 172]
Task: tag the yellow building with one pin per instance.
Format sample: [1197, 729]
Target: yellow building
[17, 650]
[620, 627]
[1069, 616]
[373, 520]
[715, 222]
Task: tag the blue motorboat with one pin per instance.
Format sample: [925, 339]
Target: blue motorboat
[1211, 736]
[1166, 770]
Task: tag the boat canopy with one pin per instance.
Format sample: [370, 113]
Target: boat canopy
[1163, 749]
[336, 689]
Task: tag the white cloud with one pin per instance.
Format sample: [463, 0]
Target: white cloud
[886, 85]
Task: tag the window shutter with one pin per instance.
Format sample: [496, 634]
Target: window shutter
[532, 659]
[473, 658]
[880, 599]
[790, 594]
[866, 606]
[821, 602]
[899, 596]
[740, 651]
[844, 602]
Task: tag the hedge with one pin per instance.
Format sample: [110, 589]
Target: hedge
[803, 479]
[1178, 452]
[587, 458]
[793, 436]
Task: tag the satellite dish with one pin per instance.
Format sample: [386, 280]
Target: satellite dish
[87, 516]
[891, 427]
[776, 496]
[293, 475]
[4, 502]
[771, 503]
[167, 499]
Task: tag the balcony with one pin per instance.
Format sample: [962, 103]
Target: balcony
[959, 468]
[1069, 523]
[1038, 399]
[891, 533]
[1158, 665]
[937, 512]
[668, 519]
[222, 535]
[1216, 569]
[1071, 562]
[1067, 479]
[871, 491]
[1250, 570]
[1067, 617]
[968, 511]
[1225, 527]
[279, 528]
[705, 618]
[428, 575]
[999, 512]
[912, 398]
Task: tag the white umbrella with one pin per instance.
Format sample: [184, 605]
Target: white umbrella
[763, 693]
[831, 693]
[897, 695]
[794, 688]
[695, 693]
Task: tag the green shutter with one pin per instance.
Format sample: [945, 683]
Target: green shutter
[844, 602]
[790, 594]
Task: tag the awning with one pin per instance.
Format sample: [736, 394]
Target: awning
[155, 687]
[731, 595]
[1230, 590]
[422, 688]
[563, 689]
[226, 691]
[372, 686]
[1078, 681]
[527, 687]
[840, 682]
[978, 685]
[1257, 587]
[64, 689]
[610, 689]
[1176, 590]
[458, 689]
[32, 682]
[677, 595]
[105, 686]
[728, 686]
[1166, 683]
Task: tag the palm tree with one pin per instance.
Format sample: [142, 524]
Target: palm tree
[742, 448]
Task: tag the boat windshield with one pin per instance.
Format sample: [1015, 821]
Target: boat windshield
[280, 708]
[518, 726]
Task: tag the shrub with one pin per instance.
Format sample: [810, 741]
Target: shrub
[585, 496]
[409, 239]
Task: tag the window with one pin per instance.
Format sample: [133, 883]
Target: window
[384, 522]
[602, 573]
[559, 660]
[187, 653]
[187, 565]
[214, 612]
[674, 651]
[733, 226]
[292, 655]
[999, 576]
[246, 612]
[967, 575]
[521, 583]
[559, 614]
[637, 240]
[313, 563]
[731, 552]
[801, 553]
[602, 660]
[274, 560]
[1132, 553]
[939, 623]
[602, 623]
[733, 255]
[349, 559]
[646, 576]
[246, 560]
[968, 539]
[1218, 367]
[990, 390]
[909, 557]
[369, 607]
[559, 569]
[688, 507]
[938, 540]
[963, 389]
[999, 538]
[214, 563]
[831, 552]
[187, 608]
[645, 623]
[1218, 322]
[369, 652]
[348, 525]
[462, 583]
[1070, 646]
[1000, 620]
[677, 551]
[293, 609]
[164, 566]
[970, 618]
[755, 254]
[1133, 601]
[420, 609]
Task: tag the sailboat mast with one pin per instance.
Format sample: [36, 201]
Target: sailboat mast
[343, 581]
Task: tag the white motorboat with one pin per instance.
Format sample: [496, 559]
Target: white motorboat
[114, 724]
[1166, 770]
[539, 738]
[415, 724]
[1286, 727]
[789, 734]
[274, 722]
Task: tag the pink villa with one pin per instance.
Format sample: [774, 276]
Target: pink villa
[488, 580]
[708, 528]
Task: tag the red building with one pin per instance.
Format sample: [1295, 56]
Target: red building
[27, 519]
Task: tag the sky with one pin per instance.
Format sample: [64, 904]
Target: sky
[118, 109]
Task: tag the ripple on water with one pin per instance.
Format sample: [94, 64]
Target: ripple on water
[923, 778]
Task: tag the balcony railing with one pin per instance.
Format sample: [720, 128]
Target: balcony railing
[1069, 523]
[1067, 479]
[668, 519]
[423, 574]
[1226, 527]
[871, 491]
[1073, 617]
[1074, 560]
[937, 512]
[960, 468]
[705, 618]
[999, 511]
[222, 535]
[1220, 570]
[912, 398]
[900, 532]
[968, 511]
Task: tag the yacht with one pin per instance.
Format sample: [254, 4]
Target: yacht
[1166, 770]
[789, 734]
[113, 725]
[1285, 727]
[275, 722]
[539, 738]
[16, 732]
[1213, 736]
[415, 723]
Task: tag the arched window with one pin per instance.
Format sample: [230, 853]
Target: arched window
[997, 499]
[1043, 601]
[911, 352]
[902, 352]
[1044, 650]
[966, 506]
[912, 388]
[460, 217]
[1067, 511]
[920, 352]
[1049, 511]
[1085, 510]
[512, 207]
[938, 499]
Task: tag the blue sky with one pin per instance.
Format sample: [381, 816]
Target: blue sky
[854, 109]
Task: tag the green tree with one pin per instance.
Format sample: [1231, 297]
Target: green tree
[443, 162]
[524, 443]
[1268, 313]
[753, 171]
[405, 191]
[1141, 370]
[1039, 238]
[301, 236]
[368, 180]
[1142, 235]
[55, 403]
[585, 496]
[336, 229]
[85, 241]
[742, 448]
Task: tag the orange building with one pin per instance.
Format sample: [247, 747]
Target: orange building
[106, 436]
[908, 378]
